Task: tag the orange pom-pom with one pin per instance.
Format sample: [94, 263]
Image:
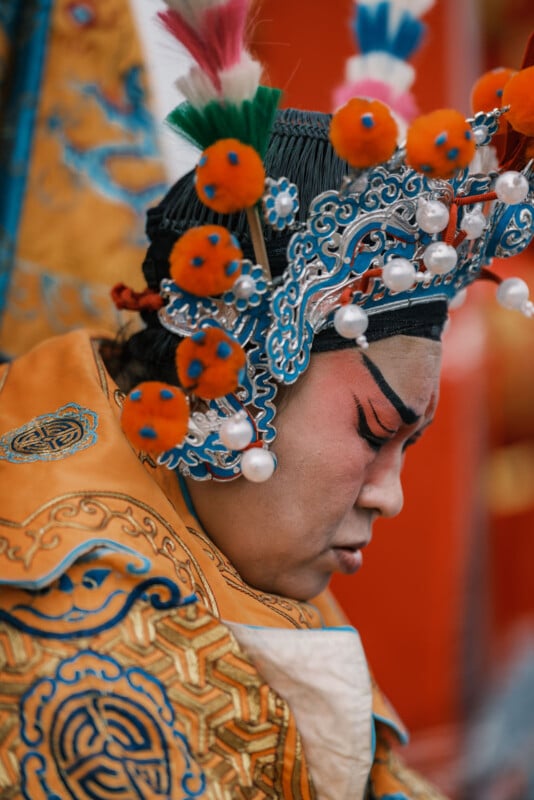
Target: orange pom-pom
[230, 176]
[439, 143]
[206, 260]
[209, 363]
[155, 417]
[488, 89]
[519, 95]
[363, 132]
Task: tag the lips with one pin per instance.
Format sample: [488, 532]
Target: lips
[350, 559]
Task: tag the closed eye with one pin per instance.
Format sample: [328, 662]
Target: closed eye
[374, 441]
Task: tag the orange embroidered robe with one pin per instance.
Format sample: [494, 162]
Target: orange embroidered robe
[126, 636]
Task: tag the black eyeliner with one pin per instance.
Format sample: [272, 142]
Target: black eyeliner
[391, 431]
[365, 432]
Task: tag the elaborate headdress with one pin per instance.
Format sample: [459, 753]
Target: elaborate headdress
[395, 240]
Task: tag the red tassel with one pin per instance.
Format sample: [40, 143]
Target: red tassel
[126, 298]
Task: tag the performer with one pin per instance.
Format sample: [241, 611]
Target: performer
[165, 625]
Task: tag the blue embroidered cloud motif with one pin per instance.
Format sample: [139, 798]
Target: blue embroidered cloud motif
[98, 730]
[84, 603]
[51, 437]
[94, 594]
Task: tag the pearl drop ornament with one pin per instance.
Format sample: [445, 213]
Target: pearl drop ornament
[236, 432]
[283, 204]
[244, 287]
[350, 321]
[257, 465]
[511, 187]
[513, 293]
[398, 274]
[473, 224]
[432, 216]
[480, 134]
[440, 258]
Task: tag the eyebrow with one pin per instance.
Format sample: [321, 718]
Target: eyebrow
[406, 413]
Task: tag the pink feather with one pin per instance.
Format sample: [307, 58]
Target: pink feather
[224, 30]
[402, 103]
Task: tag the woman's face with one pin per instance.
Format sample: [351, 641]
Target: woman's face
[342, 433]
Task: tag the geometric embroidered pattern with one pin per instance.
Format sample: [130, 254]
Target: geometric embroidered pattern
[164, 705]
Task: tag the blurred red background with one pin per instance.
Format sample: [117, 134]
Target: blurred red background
[445, 585]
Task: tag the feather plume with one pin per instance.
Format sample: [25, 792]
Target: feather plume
[193, 11]
[222, 89]
[386, 33]
[212, 32]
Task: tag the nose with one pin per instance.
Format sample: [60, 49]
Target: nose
[382, 487]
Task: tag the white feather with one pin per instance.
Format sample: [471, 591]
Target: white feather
[241, 80]
[197, 88]
[193, 10]
[381, 67]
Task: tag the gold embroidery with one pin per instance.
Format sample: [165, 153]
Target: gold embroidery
[87, 513]
[101, 369]
[239, 731]
[48, 437]
[191, 568]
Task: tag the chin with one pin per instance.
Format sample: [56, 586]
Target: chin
[302, 591]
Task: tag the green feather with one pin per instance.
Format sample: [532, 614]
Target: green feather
[250, 121]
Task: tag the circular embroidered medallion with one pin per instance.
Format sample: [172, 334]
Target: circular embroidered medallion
[51, 436]
[98, 730]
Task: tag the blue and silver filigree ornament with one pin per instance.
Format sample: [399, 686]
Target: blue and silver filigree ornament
[280, 203]
[485, 125]
[249, 289]
[203, 455]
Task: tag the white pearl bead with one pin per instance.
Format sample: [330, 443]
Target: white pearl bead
[350, 321]
[480, 134]
[432, 216]
[244, 287]
[257, 465]
[440, 258]
[236, 432]
[513, 293]
[399, 274]
[511, 187]
[283, 204]
[458, 300]
[473, 224]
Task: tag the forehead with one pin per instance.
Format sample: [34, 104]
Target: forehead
[409, 365]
